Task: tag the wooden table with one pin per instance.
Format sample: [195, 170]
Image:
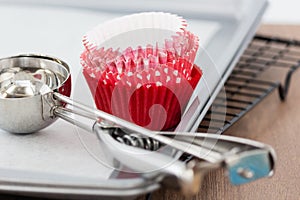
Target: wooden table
[271, 122]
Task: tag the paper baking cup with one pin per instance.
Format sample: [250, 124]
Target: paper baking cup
[131, 60]
[138, 81]
[164, 30]
[130, 23]
[135, 96]
[184, 44]
[98, 59]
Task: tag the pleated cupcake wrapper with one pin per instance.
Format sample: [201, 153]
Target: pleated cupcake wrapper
[181, 43]
[131, 60]
[163, 73]
[146, 20]
[98, 59]
[132, 96]
[127, 81]
[184, 44]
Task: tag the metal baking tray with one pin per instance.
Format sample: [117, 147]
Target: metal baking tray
[63, 160]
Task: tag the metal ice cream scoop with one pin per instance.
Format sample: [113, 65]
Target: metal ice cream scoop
[35, 90]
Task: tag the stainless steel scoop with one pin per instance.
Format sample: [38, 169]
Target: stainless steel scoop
[35, 89]
[26, 84]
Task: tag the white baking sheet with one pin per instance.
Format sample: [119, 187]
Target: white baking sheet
[54, 31]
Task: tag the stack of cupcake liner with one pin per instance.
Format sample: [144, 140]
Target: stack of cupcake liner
[149, 84]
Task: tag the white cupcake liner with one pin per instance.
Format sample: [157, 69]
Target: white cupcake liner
[163, 30]
[130, 23]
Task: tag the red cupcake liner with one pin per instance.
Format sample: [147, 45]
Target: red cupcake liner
[132, 97]
[131, 61]
[149, 85]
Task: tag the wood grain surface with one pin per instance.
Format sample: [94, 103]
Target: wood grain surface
[273, 122]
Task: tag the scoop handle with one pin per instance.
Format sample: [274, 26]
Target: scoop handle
[108, 121]
[246, 160]
[188, 177]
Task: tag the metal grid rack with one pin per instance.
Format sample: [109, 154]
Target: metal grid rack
[251, 81]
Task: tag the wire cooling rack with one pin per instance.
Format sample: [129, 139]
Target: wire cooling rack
[251, 81]
[266, 65]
